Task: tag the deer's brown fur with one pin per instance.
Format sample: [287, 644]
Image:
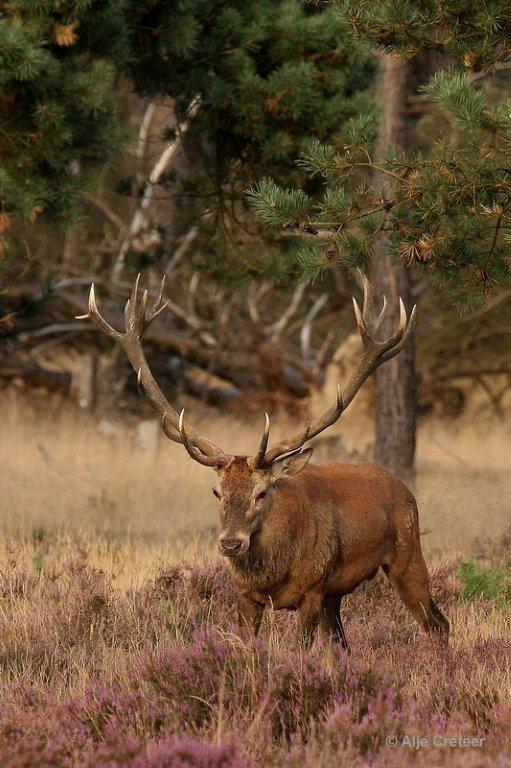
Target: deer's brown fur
[320, 534]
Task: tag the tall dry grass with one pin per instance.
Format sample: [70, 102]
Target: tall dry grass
[61, 476]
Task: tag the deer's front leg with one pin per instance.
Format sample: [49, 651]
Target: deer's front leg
[250, 614]
[309, 613]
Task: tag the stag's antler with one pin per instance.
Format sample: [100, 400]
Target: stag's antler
[373, 354]
[137, 319]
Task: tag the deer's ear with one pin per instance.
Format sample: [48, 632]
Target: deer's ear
[290, 465]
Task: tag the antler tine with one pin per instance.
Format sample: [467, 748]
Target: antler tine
[374, 353]
[130, 310]
[367, 305]
[402, 317]
[159, 298]
[372, 322]
[400, 330]
[140, 311]
[158, 307]
[134, 290]
[155, 313]
[195, 453]
[259, 460]
[135, 312]
[335, 410]
[361, 325]
[408, 331]
[176, 437]
[378, 320]
[134, 294]
[127, 314]
[339, 397]
[98, 320]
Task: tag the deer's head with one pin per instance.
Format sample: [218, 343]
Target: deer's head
[246, 492]
[245, 485]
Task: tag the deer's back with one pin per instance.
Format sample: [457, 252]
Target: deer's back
[354, 488]
[349, 518]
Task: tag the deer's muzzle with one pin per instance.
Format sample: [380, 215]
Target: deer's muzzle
[231, 545]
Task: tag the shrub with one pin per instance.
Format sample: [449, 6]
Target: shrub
[486, 584]
[184, 752]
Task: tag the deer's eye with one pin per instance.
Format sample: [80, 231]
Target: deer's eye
[260, 496]
[215, 493]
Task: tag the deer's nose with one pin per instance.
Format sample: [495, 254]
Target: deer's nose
[230, 545]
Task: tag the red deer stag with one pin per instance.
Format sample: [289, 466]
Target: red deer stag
[301, 537]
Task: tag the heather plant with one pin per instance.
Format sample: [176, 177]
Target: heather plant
[157, 675]
[123, 651]
[184, 752]
[191, 677]
[301, 691]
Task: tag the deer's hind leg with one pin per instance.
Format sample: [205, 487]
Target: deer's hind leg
[331, 621]
[411, 582]
[408, 574]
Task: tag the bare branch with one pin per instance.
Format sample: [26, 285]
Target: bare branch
[276, 328]
[306, 331]
[140, 215]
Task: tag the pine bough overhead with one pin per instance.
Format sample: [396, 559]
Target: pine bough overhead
[449, 211]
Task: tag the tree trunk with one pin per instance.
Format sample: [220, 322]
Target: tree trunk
[395, 380]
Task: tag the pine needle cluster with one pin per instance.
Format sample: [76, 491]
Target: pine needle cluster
[58, 67]
[448, 209]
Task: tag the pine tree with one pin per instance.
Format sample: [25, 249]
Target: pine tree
[270, 75]
[476, 33]
[448, 211]
[58, 64]
[445, 210]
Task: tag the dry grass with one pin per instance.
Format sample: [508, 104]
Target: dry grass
[90, 524]
[60, 476]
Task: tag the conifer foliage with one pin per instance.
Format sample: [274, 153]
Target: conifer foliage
[477, 32]
[270, 74]
[448, 208]
[58, 64]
